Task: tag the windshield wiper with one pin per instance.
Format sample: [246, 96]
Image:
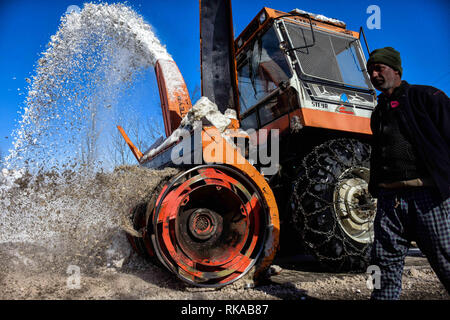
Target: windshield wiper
[303, 15]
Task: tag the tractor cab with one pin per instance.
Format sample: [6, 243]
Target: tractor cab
[304, 65]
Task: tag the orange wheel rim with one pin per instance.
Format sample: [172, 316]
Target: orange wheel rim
[210, 225]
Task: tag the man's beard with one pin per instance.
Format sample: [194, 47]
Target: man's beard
[383, 84]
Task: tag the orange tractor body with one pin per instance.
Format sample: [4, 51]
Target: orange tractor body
[299, 79]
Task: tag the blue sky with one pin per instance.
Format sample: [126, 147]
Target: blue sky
[420, 30]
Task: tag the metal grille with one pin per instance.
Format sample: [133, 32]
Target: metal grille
[318, 60]
[332, 58]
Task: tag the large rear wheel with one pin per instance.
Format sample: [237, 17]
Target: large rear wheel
[332, 210]
[210, 226]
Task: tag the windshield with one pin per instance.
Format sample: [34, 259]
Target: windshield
[261, 70]
[333, 57]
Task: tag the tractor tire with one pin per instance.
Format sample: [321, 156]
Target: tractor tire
[331, 208]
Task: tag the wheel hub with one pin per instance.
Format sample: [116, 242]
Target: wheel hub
[354, 206]
[203, 224]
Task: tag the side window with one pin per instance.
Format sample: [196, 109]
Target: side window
[277, 106]
[250, 121]
[261, 70]
[270, 109]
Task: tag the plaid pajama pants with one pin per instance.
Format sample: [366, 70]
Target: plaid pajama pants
[404, 216]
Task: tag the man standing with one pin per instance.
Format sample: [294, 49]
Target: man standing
[410, 173]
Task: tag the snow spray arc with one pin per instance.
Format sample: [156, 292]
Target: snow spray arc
[49, 207]
[73, 99]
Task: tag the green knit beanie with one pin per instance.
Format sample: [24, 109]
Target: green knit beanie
[388, 56]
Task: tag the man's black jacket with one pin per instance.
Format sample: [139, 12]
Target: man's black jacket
[425, 115]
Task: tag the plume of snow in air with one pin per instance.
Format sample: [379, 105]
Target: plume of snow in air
[90, 63]
[88, 66]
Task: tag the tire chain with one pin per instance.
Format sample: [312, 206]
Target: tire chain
[300, 216]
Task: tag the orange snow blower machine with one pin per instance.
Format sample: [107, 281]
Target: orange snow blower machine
[292, 85]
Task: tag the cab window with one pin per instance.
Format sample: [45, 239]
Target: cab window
[260, 71]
